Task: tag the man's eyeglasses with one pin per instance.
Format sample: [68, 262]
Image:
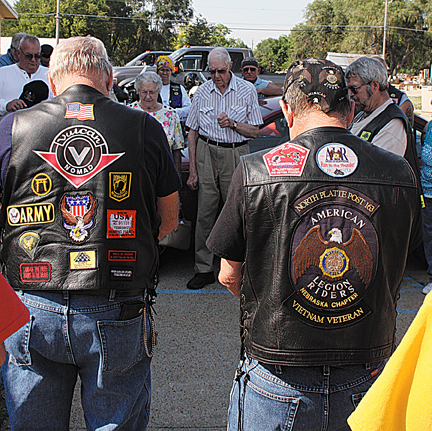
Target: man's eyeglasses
[220, 71]
[354, 90]
[30, 56]
[249, 69]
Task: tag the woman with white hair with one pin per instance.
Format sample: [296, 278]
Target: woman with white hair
[148, 86]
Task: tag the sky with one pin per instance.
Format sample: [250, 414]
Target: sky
[253, 20]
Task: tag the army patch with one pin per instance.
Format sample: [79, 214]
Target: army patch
[39, 272]
[121, 224]
[29, 241]
[78, 215]
[83, 259]
[287, 159]
[122, 255]
[334, 256]
[337, 160]
[30, 214]
[120, 185]
[121, 274]
[41, 184]
[78, 153]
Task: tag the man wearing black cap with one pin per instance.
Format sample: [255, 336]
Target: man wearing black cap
[46, 51]
[307, 242]
[250, 70]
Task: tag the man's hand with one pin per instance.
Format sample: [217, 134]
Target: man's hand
[192, 181]
[224, 121]
[15, 105]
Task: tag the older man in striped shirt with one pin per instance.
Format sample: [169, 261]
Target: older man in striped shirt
[223, 117]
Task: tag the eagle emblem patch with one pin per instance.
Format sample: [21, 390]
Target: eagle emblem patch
[333, 257]
[78, 215]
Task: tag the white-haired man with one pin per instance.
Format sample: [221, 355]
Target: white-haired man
[223, 117]
[11, 56]
[88, 187]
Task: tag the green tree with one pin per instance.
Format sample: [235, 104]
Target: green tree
[203, 33]
[274, 54]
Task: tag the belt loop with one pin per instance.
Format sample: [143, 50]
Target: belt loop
[278, 369]
[65, 295]
[112, 295]
[368, 366]
[326, 370]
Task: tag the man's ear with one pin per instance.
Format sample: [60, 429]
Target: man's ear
[287, 111]
[51, 85]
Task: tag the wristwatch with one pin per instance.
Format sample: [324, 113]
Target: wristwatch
[234, 125]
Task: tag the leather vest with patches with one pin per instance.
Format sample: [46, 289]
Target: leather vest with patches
[78, 207]
[328, 221]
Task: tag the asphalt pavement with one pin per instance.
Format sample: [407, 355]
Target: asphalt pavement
[198, 346]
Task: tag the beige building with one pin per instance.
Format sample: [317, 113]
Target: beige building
[6, 12]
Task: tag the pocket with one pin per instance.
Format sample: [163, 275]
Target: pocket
[17, 345]
[122, 343]
[207, 115]
[238, 113]
[356, 398]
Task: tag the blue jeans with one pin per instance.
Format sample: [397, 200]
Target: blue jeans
[298, 398]
[69, 335]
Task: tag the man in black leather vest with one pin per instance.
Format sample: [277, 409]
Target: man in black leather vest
[313, 238]
[88, 188]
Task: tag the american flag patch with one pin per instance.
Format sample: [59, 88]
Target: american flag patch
[79, 111]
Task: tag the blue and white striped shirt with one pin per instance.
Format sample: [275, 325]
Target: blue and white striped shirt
[239, 102]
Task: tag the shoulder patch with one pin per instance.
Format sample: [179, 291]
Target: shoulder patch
[286, 160]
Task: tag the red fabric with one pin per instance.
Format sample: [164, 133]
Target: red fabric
[13, 313]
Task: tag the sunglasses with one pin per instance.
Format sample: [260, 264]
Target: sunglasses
[249, 69]
[30, 56]
[220, 71]
[354, 90]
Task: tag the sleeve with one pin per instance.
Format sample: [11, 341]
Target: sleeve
[5, 144]
[13, 313]
[158, 159]
[193, 117]
[227, 239]
[186, 105]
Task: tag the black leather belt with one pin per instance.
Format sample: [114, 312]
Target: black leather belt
[222, 144]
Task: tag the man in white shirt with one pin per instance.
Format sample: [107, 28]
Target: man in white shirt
[13, 78]
[173, 95]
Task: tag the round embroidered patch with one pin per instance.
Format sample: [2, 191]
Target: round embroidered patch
[337, 160]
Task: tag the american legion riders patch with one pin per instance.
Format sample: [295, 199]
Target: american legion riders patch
[333, 257]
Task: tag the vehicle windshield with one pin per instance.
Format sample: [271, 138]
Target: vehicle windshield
[138, 57]
[177, 53]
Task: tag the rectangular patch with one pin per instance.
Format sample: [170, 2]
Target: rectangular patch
[79, 111]
[23, 215]
[122, 255]
[83, 259]
[35, 272]
[120, 185]
[123, 274]
[121, 224]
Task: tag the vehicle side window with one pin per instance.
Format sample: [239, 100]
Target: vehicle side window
[236, 58]
[270, 135]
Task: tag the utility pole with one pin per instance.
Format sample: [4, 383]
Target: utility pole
[57, 17]
[385, 28]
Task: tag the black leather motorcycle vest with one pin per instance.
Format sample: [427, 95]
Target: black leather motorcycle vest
[328, 225]
[79, 207]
